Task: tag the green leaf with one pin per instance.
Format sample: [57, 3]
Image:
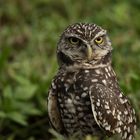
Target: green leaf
[134, 75]
[17, 117]
[30, 109]
[20, 79]
[2, 114]
[25, 92]
[3, 56]
[11, 137]
[7, 92]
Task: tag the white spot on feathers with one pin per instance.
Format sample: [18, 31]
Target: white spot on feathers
[84, 94]
[94, 80]
[108, 111]
[86, 71]
[98, 103]
[97, 71]
[108, 127]
[85, 88]
[104, 81]
[113, 112]
[70, 106]
[106, 107]
[125, 112]
[130, 137]
[125, 135]
[118, 129]
[118, 117]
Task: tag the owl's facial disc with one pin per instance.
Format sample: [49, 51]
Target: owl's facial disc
[83, 43]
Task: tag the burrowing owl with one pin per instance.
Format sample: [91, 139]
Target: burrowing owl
[85, 97]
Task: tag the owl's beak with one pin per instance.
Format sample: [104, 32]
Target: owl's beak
[89, 52]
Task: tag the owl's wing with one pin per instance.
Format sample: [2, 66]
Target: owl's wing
[112, 112]
[54, 113]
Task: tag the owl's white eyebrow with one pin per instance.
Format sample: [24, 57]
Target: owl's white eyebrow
[72, 35]
[101, 33]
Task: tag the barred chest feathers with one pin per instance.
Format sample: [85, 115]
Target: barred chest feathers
[74, 101]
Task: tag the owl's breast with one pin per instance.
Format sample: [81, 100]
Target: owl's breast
[75, 105]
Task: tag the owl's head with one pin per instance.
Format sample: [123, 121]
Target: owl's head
[83, 43]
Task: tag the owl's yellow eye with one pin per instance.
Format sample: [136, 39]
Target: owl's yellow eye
[99, 40]
[74, 40]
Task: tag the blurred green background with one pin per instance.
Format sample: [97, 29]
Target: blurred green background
[29, 31]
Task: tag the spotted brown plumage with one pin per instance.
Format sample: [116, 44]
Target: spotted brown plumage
[85, 97]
